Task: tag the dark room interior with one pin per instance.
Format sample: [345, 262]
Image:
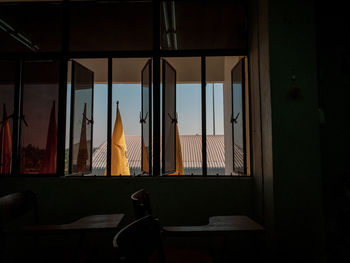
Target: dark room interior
[174, 131]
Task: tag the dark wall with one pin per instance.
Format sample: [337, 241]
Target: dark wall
[334, 88]
[297, 176]
[177, 201]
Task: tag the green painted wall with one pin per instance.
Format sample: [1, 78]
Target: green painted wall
[181, 201]
[297, 178]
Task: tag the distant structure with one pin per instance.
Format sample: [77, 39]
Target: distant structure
[191, 146]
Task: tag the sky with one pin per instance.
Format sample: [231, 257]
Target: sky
[129, 95]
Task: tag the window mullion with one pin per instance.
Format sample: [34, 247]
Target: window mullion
[204, 117]
[109, 115]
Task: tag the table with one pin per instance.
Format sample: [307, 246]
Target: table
[81, 227]
[88, 223]
[223, 227]
[218, 224]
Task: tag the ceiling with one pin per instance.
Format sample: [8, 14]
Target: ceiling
[128, 70]
[127, 25]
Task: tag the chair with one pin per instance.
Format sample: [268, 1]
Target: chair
[141, 203]
[15, 206]
[140, 241]
[16, 209]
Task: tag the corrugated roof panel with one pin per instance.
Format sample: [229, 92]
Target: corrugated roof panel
[191, 146]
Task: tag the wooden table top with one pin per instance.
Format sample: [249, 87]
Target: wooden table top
[93, 222]
[218, 224]
[242, 223]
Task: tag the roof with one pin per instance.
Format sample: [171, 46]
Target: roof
[191, 146]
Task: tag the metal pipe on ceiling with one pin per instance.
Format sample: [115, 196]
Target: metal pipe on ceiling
[18, 36]
[172, 3]
[166, 23]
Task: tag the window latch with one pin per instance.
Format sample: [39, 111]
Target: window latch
[173, 120]
[143, 120]
[89, 121]
[234, 120]
[23, 118]
[6, 119]
[12, 116]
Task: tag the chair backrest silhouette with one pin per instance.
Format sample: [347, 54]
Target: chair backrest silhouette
[139, 241]
[14, 206]
[141, 203]
[16, 209]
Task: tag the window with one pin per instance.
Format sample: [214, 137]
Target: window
[130, 101]
[173, 87]
[223, 104]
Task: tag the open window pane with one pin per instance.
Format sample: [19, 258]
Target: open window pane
[81, 119]
[39, 117]
[146, 118]
[7, 91]
[99, 68]
[169, 120]
[188, 143]
[238, 118]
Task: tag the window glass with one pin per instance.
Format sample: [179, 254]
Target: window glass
[99, 68]
[7, 90]
[39, 117]
[81, 118]
[218, 115]
[215, 128]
